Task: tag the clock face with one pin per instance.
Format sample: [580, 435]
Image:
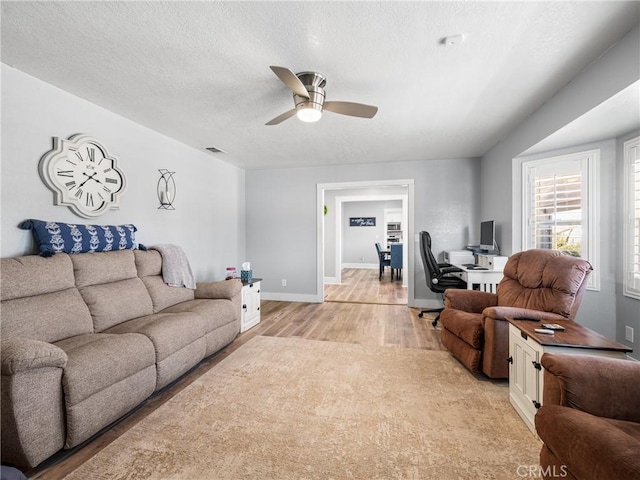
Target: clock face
[83, 176]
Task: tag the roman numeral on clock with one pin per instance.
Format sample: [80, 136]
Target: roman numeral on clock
[65, 173]
[91, 152]
[79, 193]
[89, 199]
[111, 180]
[70, 184]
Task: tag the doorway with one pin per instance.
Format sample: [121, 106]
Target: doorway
[357, 279]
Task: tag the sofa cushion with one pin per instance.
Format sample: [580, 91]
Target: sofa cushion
[33, 275]
[48, 317]
[117, 302]
[215, 313]
[58, 237]
[105, 267]
[169, 332]
[149, 266]
[96, 361]
[465, 325]
[148, 262]
[163, 296]
[590, 446]
[106, 376]
[40, 300]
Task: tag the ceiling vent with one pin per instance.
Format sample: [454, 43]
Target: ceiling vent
[215, 150]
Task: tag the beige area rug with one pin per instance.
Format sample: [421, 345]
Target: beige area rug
[288, 408]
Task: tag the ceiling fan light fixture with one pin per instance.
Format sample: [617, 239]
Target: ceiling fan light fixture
[308, 97]
[309, 114]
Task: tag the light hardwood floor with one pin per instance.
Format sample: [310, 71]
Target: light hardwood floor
[361, 285]
[364, 322]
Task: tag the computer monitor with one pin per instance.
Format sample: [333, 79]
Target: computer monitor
[488, 235]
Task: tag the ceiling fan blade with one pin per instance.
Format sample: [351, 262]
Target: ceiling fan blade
[290, 80]
[352, 109]
[282, 117]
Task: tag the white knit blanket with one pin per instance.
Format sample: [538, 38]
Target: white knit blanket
[176, 271]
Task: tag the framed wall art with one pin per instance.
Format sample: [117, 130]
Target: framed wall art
[362, 221]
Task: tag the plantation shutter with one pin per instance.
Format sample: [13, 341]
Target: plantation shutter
[632, 247]
[557, 212]
[560, 206]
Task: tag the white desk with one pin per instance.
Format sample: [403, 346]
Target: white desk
[483, 280]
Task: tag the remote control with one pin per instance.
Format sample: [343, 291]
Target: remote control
[544, 330]
[552, 326]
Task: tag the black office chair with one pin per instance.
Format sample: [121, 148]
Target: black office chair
[384, 259]
[437, 275]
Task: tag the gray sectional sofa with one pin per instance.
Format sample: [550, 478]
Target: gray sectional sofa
[88, 337]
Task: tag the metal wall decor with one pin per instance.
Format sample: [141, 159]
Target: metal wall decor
[166, 189]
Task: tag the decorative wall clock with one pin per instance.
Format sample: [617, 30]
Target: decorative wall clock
[82, 175]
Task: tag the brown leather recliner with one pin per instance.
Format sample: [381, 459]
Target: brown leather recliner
[541, 284]
[590, 418]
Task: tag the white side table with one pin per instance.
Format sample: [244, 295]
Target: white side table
[250, 314]
[526, 347]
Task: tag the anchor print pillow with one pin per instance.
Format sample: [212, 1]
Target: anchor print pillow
[57, 237]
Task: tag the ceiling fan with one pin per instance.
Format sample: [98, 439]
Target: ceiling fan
[308, 95]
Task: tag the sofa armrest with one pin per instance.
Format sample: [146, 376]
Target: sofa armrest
[21, 354]
[604, 387]
[587, 446]
[33, 418]
[225, 289]
[496, 336]
[472, 301]
[500, 313]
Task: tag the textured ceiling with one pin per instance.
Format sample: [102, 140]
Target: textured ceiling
[199, 71]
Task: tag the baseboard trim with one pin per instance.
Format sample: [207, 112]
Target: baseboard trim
[289, 297]
[370, 266]
[424, 303]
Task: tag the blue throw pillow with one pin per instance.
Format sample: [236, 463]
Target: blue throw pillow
[57, 237]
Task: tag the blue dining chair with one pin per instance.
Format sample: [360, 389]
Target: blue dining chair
[383, 258]
[396, 260]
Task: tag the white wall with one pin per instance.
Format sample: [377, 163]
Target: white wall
[281, 216]
[209, 216]
[611, 73]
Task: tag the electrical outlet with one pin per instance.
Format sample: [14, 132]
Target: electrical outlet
[628, 334]
[284, 282]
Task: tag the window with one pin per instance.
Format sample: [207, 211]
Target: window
[632, 218]
[559, 205]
